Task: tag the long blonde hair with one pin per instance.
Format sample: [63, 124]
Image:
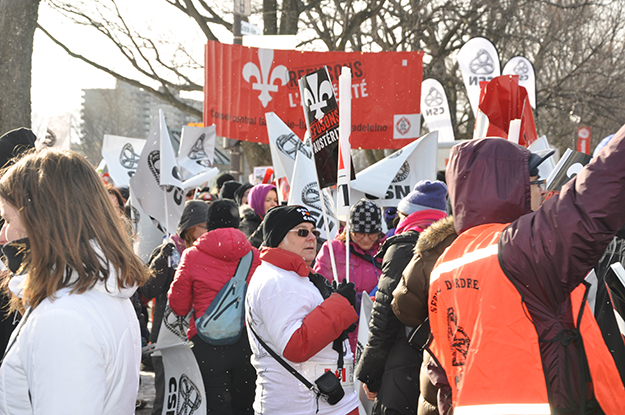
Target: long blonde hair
[71, 225]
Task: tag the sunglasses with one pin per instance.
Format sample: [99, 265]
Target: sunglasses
[542, 183]
[363, 235]
[304, 232]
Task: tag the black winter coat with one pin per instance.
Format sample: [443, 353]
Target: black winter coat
[251, 225]
[389, 365]
[604, 314]
[157, 286]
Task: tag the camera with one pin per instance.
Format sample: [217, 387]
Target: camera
[330, 388]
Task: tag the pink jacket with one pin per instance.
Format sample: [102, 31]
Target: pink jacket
[362, 272]
[205, 268]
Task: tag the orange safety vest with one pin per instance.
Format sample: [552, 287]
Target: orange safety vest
[486, 343]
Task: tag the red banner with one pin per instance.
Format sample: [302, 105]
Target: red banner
[583, 140]
[242, 84]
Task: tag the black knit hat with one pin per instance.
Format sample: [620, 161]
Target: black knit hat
[228, 189]
[222, 178]
[14, 143]
[222, 213]
[365, 217]
[280, 220]
[194, 213]
[238, 194]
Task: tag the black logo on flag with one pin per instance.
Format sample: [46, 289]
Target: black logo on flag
[135, 216]
[434, 98]
[310, 197]
[184, 397]
[197, 152]
[49, 139]
[402, 173]
[189, 396]
[482, 64]
[154, 157]
[176, 324]
[290, 144]
[128, 158]
[521, 68]
[458, 339]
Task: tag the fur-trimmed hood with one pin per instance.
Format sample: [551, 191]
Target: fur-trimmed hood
[435, 234]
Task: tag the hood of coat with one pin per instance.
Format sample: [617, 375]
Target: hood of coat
[488, 182]
[247, 213]
[226, 244]
[435, 234]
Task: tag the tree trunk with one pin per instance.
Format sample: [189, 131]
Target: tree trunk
[290, 17]
[18, 20]
[270, 17]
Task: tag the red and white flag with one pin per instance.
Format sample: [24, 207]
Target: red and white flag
[505, 112]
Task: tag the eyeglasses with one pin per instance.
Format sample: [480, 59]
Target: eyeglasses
[542, 183]
[362, 235]
[304, 232]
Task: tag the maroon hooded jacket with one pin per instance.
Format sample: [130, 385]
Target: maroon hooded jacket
[546, 253]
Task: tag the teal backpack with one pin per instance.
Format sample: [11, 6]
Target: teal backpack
[222, 322]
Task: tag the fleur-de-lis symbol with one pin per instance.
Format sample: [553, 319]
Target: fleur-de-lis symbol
[315, 96]
[265, 77]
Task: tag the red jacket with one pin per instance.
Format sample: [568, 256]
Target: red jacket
[205, 268]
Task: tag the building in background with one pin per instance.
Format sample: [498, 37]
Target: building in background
[132, 112]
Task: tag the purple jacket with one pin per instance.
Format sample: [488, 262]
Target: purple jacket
[546, 253]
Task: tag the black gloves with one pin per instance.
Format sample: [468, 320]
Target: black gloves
[161, 260]
[347, 290]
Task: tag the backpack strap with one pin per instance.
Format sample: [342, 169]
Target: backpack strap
[243, 270]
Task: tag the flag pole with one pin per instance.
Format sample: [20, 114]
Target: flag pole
[327, 229]
[344, 167]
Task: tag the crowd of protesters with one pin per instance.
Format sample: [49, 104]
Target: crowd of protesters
[480, 300]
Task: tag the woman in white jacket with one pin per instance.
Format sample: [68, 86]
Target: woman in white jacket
[77, 349]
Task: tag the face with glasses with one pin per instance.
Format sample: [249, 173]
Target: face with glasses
[538, 188]
[365, 241]
[302, 240]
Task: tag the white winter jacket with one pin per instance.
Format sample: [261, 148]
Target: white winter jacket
[77, 354]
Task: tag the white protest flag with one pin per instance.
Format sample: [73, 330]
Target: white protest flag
[58, 133]
[365, 406]
[197, 150]
[146, 185]
[185, 389]
[541, 146]
[344, 163]
[394, 176]
[478, 61]
[122, 157]
[527, 77]
[147, 233]
[169, 170]
[305, 191]
[284, 146]
[435, 109]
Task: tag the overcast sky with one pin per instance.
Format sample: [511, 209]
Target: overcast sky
[57, 78]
